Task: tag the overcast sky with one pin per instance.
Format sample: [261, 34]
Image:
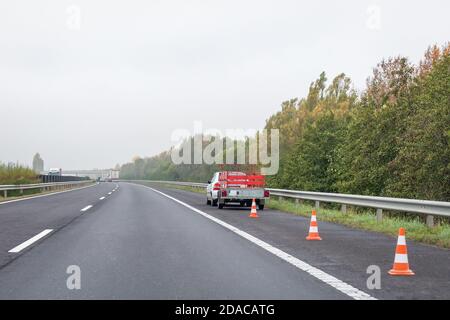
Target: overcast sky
[95, 89]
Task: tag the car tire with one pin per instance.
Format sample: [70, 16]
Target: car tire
[214, 202]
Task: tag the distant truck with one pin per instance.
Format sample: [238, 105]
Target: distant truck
[114, 174]
[55, 172]
[229, 187]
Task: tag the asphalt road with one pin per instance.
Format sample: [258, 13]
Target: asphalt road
[139, 244]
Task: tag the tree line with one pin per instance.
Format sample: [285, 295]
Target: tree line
[391, 139]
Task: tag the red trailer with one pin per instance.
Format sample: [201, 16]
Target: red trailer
[228, 187]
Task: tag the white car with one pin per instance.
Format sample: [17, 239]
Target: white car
[212, 190]
[55, 172]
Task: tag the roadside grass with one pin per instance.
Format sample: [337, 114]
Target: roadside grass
[16, 174]
[365, 219]
[362, 218]
[13, 195]
[27, 193]
[172, 186]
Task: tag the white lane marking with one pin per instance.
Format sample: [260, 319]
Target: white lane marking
[109, 192]
[101, 198]
[86, 208]
[46, 195]
[315, 272]
[30, 241]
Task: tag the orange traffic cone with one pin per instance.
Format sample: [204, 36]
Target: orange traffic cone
[253, 213]
[313, 228]
[401, 265]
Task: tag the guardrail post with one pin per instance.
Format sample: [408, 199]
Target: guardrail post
[317, 205]
[344, 208]
[21, 191]
[379, 215]
[280, 198]
[5, 194]
[430, 221]
[297, 201]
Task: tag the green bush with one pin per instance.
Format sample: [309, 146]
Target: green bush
[17, 174]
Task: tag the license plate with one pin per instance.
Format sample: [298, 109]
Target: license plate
[246, 193]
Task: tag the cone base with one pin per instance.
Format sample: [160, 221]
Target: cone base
[253, 216]
[408, 272]
[313, 238]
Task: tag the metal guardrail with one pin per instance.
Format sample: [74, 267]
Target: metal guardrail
[426, 207]
[42, 186]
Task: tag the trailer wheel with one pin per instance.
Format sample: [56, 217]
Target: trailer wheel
[220, 205]
[260, 206]
[214, 202]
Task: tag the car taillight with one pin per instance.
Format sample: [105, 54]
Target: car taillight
[216, 186]
[266, 193]
[224, 193]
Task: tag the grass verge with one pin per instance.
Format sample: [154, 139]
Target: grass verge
[364, 220]
[28, 193]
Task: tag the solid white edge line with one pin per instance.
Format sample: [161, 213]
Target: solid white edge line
[315, 272]
[86, 208]
[30, 241]
[48, 194]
